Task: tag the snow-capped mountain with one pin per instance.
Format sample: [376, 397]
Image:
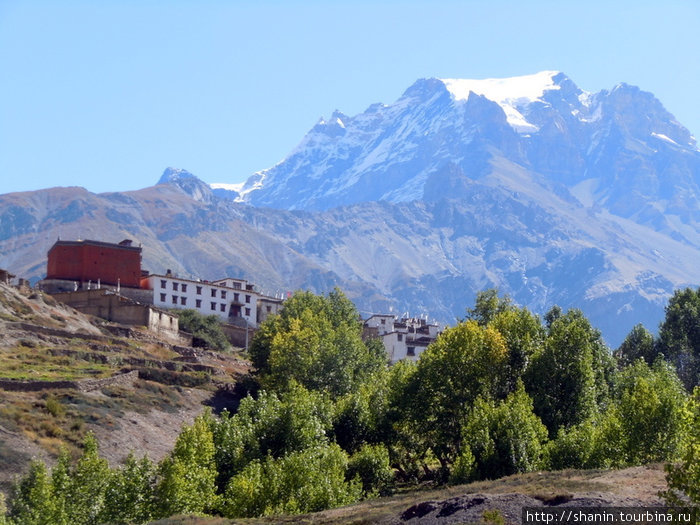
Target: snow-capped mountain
[618, 149]
[528, 184]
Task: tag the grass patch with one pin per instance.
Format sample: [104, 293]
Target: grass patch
[39, 364]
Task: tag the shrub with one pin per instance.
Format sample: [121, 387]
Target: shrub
[307, 481]
[205, 329]
[371, 466]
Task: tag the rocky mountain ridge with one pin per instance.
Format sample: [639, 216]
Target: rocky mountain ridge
[619, 150]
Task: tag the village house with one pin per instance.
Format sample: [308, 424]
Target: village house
[234, 301]
[405, 338]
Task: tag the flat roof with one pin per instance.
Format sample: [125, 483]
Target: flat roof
[96, 243]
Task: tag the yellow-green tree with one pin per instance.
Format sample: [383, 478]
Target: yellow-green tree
[33, 501]
[569, 376]
[683, 477]
[465, 362]
[317, 342]
[310, 480]
[502, 438]
[188, 476]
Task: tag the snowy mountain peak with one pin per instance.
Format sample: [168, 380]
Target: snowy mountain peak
[523, 89]
[512, 93]
[619, 149]
[187, 183]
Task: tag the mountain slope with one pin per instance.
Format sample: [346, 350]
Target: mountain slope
[619, 150]
[426, 257]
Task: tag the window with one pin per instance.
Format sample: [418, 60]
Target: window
[174, 299]
[411, 350]
[223, 294]
[198, 303]
[162, 283]
[199, 290]
[400, 337]
[184, 287]
[213, 292]
[175, 287]
[247, 299]
[237, 286]
[222, 307]
[236, 296]
[183, 301]
[247, 312]
[213, 305]
[383, 321]
[269, 308]
[162, 298]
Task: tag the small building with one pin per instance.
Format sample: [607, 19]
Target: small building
[81, 265]
[116, 308]
[405, 338]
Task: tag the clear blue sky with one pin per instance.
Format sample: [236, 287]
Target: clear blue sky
[107, 94]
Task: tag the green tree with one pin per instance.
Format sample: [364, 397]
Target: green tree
[396, 412]
[306, 481]
[61, 484]
[488, 305]
[188, 476]
[638, 343]
[272, 425]
[129, 496]
[651, 403]
[465, 362]
[87, 485]
[315, 341]
[593, 443]
[503, 438]
[679, 335]
[3, 510]
[683, 477]
[569, 376]
[205, 329]
[371, 465]
[33, 500]
[524, 335]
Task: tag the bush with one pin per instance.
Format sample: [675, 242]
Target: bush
[205, 329]
[505, 438]
[371, 466]
[54, 406]
[307, 481]
[682, 477]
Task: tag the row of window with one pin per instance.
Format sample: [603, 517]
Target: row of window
[182, 287]
[182, 301]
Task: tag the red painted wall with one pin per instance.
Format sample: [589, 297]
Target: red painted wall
[85, 261]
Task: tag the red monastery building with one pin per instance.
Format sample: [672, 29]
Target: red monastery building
[88, 261]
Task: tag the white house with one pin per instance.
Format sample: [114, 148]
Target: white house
[406, 338]
[232, 300]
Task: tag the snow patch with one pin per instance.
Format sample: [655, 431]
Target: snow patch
[509, 93]
[225, 186]
[664, 137]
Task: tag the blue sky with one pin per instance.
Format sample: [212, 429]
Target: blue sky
[106, 95]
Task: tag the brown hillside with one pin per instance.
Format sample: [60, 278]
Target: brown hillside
[63, 374]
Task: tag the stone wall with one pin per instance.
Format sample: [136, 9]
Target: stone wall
[83, 385]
